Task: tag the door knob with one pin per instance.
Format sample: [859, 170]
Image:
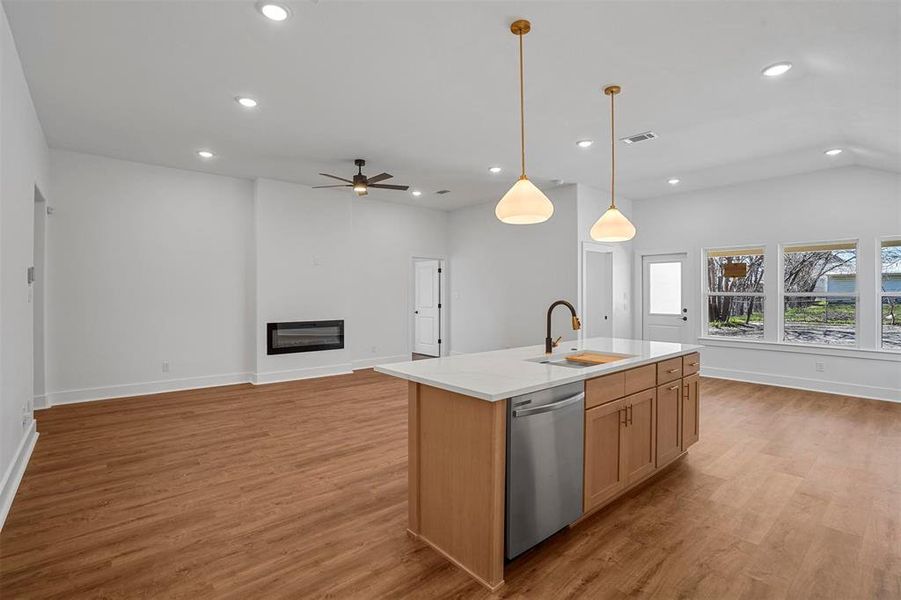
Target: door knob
[415, 312]
[684, 318]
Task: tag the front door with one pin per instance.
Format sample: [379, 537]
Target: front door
[664, 316]
[426, 309]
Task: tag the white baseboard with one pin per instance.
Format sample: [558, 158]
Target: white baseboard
[16, 469]
[142, 389]
[368, 363]
[804, 383]
[306, 373]
[40, 402]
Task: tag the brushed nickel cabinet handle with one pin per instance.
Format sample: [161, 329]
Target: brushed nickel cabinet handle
[671, 370]
[675, 387]
[694, 364]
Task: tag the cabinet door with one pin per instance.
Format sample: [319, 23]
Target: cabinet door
[640, 440]
[604, 474]
[669, 422]
[690, 410]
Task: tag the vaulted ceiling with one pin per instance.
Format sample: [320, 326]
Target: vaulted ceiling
[428, 90]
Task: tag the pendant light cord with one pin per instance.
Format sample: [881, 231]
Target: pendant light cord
[612, 155]
[522, 113]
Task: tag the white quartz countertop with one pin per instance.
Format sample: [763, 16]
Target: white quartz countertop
[501, 374]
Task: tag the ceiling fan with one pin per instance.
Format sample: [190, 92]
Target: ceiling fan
[361, 184]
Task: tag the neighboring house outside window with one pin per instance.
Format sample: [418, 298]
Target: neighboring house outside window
[890, 294]
[820, 293]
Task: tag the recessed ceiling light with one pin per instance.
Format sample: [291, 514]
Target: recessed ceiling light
[584, 143]
[274, 11]
[416, 193]
[495, 169]
[780, 68]
[206, 154]
[246, 101]
[833, 152]
[673, 181]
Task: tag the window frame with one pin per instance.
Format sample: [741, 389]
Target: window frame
[882, 294]
[706, 292]
[782, 294]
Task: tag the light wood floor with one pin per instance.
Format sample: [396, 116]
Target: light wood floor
[299, 490]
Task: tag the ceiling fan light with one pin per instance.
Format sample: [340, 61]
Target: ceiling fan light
[359, 188]
[524, 204]
[613, 226]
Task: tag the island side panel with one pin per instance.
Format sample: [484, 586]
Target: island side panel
[413, 458]
[457, 478]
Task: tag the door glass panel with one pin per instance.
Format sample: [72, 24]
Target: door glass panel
[665, 288]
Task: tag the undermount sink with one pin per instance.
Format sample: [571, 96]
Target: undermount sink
[602, 358]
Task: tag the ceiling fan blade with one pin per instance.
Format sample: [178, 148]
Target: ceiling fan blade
[336, 177]
[384, 186]
[380, 177]
[317, 187]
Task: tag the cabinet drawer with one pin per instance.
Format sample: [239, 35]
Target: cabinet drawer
[691, 364]
[669, 370]
[641, 379]
[601, 390]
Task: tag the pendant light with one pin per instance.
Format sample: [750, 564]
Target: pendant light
[613, 226]
[523, 204]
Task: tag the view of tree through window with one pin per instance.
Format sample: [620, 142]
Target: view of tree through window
[820, 299]
[735, 293]
[890, 294]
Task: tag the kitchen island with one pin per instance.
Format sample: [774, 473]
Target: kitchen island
[637, 413]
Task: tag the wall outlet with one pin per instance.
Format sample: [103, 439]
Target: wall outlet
[820, 367]
[165, 366]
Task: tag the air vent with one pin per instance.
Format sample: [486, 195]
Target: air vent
[443, 192]
[639, 137]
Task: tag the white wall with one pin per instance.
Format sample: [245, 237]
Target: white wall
[145, 264]
[504, 277]
[849, 202]
[149, 264]
[303, 270]
[23, 165]
[386, 237]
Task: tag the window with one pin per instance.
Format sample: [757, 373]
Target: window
[890, 295]
[735, 293]
[820, 298]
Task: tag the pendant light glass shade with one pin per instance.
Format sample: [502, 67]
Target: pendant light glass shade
[523, 204]
[613, 226]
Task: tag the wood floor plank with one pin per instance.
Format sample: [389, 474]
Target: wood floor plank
[298, 490]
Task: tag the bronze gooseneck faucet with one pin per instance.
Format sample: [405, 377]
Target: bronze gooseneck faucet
[550, 344]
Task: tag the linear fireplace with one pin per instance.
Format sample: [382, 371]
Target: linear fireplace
[304, 336]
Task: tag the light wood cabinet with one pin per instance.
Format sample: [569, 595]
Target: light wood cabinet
[636, 422]
[690, 410]
[604, 472]
[669, 422]
[640, 439]
[669, 370]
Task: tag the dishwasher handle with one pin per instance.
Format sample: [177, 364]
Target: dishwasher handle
[525, 412]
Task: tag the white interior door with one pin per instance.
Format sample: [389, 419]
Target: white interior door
[664, 316]
[426, 309]
[598, 282]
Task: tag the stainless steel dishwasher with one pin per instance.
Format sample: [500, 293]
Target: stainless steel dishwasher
[545, 433]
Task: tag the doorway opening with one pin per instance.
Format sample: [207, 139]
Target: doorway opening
[428, 329]
[36, 294]
[664, 316]
[596, 309]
